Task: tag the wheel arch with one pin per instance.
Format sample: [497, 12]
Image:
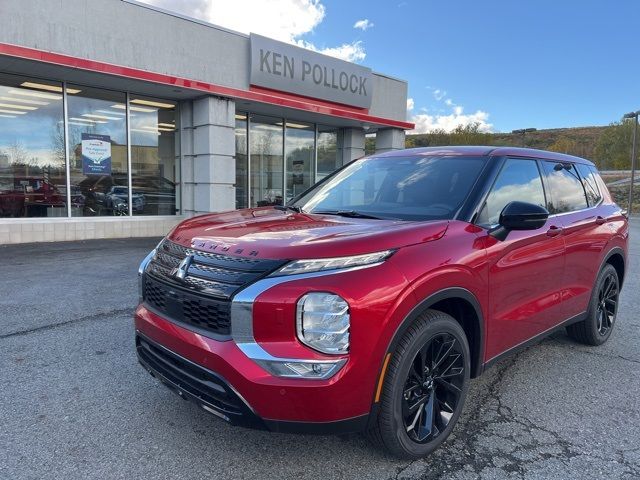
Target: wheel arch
[463, 306]
[616, 258]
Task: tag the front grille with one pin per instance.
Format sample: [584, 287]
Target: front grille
[195, 382]
[201, 299]
[182, 306]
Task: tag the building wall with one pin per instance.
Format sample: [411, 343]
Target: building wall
[128, 34]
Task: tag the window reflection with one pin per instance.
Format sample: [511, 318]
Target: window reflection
[266, 161]
[32, 159]
[153, 155]
[519, 180]
[567, 192]
[299, 147]
[97, 151]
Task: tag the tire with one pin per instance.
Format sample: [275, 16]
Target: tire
[412, 434]
[603, 308]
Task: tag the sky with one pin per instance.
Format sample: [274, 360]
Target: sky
[504, 64]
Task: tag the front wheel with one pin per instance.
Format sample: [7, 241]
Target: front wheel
[424, 388]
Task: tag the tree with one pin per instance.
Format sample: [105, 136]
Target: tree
[613, 149]
[564, 145]
[461, 135]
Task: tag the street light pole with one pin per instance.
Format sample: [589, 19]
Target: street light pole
[633, 115]
[523, 132]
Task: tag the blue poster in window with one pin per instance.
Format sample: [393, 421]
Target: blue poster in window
[96, 154]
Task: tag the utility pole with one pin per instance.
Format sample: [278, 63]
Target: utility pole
[633, 115]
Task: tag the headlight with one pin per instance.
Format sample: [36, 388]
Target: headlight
[316, 265]
[322, 322]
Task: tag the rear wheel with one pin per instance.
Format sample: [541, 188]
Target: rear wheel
[603, 309]
[425, 387]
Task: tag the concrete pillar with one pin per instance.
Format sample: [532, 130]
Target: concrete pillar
[184, 149]
[389, 139]
[214, 146]
[350, 144]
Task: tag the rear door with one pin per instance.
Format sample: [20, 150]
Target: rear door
[576, 203]
[526, 269]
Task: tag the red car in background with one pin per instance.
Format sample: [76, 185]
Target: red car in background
[369, 302]
[30, 196]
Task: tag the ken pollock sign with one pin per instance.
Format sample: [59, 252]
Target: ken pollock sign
[288, 68]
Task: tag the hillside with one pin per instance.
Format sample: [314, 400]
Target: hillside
[580, 141]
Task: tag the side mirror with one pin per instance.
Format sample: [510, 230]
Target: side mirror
[519, 216]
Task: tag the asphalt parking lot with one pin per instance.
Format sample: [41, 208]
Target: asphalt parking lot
[75, 404]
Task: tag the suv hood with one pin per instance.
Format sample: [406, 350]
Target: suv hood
[270, 233]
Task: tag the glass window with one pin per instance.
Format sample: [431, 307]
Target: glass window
[32, 159]
[241, 160]
[97, 150]
[299, 147]
[266, 137]
[405, 188]
[588, 175]
[519, 180]
[567, 192]
[153, 155]
[327, 154]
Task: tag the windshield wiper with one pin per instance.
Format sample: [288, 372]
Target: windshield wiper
[350, 214]
[285, 208]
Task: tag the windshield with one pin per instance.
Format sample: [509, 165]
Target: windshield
[404, 188]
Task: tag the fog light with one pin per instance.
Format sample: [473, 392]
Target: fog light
[303, 369]
[322, 322]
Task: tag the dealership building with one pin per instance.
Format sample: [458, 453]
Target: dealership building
[118, 119]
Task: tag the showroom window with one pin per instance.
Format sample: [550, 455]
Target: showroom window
[97, 152]
[272, 153]
[328, 160]
[153, 156]
[242, 160]
[37, 139]
[266, 159]
[32, 159]
[299, 150]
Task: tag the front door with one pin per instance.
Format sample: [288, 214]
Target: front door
[526, 269]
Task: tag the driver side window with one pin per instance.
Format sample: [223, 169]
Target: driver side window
[519, 180]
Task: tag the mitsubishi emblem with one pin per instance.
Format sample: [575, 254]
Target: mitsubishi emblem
[181, 270]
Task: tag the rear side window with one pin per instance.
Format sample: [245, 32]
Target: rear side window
[567, 192]
[519, 180]
[588, 175]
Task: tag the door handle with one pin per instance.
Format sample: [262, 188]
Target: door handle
[600, 220]
[554, 231]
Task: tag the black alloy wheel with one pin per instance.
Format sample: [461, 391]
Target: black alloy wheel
[600, 318]
[607, 304]
[433, 388]
[425, 386]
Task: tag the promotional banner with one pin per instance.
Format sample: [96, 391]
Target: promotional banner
[96, 154]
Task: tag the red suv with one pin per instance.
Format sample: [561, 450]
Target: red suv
[369, 301]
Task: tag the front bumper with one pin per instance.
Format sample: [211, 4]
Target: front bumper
[215, 395]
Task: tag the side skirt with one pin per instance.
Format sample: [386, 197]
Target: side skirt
[527, 343]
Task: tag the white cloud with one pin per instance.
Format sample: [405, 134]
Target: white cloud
[439, 94]
[437, 118]
[410, 104]
[363, 24]
[284, 20]
[351, 52]
[426, 123]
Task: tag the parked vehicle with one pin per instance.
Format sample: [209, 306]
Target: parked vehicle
[30, 196]
[370, 301]
[117, 201]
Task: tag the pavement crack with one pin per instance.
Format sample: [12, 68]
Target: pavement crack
[86, 318]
